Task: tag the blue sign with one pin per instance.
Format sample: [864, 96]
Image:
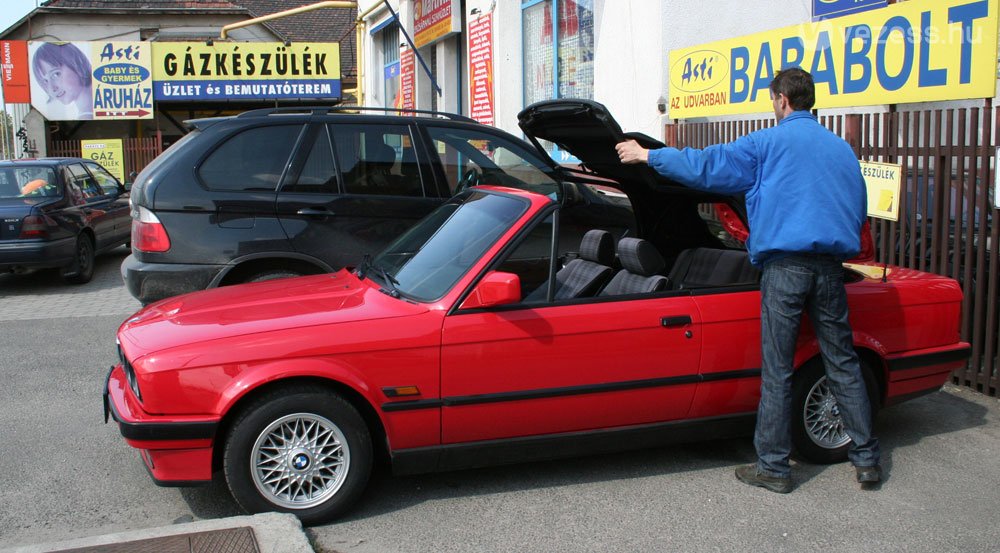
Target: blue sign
[827, 9]
[174, 91]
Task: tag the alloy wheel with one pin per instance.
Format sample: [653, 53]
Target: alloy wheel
[300, 460]
[822, 417]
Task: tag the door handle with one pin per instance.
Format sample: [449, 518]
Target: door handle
[314, 212]
[680, 320]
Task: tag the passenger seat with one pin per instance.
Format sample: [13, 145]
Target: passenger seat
[641, 262]
[585, 275]
[708, 267]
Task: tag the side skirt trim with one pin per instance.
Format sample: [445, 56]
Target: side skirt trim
[573, 444]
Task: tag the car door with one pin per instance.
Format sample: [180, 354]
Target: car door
[118, 210]
[567, 366]
[353, 189]
[96, 207]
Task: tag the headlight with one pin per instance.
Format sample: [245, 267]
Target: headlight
[133, 384]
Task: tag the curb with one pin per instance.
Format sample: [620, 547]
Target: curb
[274, 533]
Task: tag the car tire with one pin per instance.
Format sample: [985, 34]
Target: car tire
[272, 274]
[81, 270]
[299, 450]
[817, 431]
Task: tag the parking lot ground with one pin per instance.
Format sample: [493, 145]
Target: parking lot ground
[43, 294]
[65, 475]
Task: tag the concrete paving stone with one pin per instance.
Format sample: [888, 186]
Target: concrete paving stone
[43, 294]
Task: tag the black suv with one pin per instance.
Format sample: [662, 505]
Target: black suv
[292, 191]
[59, 213]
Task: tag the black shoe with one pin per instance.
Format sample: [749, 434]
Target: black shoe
[750, 475]
[868, 476]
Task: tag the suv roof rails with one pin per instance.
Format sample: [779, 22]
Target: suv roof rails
[323, 110]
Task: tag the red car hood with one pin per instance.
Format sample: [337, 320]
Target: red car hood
[255, 308]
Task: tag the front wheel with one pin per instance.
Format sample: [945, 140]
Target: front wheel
[299, 450]
[817, 430]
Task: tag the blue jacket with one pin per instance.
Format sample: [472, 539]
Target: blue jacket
[803, 185]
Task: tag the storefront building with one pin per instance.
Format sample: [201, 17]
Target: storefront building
[91, 70]
[490, 58]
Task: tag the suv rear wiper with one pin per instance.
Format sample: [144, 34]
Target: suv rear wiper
[366, 263]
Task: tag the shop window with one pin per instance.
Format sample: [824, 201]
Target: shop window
[390, 66]
[558, 58]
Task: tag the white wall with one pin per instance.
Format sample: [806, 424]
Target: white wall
[630, 63]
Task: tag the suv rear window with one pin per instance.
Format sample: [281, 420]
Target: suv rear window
[251, 160]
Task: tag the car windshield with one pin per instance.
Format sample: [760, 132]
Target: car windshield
[426, 261]
[30, 182]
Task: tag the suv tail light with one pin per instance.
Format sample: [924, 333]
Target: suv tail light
[148, 234]
[33, 226]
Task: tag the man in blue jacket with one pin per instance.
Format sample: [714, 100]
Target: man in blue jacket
[806, 203]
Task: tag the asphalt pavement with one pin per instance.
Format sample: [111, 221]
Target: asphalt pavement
[68, 481]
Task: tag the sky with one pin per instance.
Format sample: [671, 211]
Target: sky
[13, 10]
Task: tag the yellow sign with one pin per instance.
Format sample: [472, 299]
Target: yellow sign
[883, 181]
[106, 152]
[185, 71]
[916, 51]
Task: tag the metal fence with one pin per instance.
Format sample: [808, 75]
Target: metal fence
[946, 207]
[138, 152]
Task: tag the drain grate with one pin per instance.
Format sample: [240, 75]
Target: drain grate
[230, 540]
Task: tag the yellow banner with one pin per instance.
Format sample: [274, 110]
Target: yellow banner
[915, 51]
[106, 152]
[185, 71]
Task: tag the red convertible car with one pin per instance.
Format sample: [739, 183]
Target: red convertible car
[479, 337]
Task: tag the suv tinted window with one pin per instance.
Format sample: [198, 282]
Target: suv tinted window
[251, 160]
[498, 160]
[377, 159]
[318, 174]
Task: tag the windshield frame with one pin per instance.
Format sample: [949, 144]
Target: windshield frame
[435, 233]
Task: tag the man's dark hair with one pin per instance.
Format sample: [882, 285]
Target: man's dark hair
[797, 85]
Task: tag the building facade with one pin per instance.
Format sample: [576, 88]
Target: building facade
[615, 52]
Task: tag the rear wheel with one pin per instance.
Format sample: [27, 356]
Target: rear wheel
[81, 270]
[299, 450]
[817, 428]
[271, 274]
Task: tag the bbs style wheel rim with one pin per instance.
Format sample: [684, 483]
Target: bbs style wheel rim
[822, 417]
[300, 460]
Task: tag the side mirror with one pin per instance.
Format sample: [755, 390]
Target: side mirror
[496, 288]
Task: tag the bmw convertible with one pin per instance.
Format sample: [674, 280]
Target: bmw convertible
[483, 336]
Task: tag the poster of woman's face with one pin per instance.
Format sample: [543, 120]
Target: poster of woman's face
[61, 80]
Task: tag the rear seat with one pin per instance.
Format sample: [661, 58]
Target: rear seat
[707, 268]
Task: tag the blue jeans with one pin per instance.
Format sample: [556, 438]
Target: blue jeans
[815, 284]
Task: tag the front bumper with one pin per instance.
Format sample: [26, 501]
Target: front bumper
[149, 282]
[41, 254]
[177, 451]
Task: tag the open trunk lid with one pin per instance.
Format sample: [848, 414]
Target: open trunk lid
[586, 129]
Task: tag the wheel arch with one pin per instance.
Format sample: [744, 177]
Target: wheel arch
[870, 352]
[365, 408]
[239, 269]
